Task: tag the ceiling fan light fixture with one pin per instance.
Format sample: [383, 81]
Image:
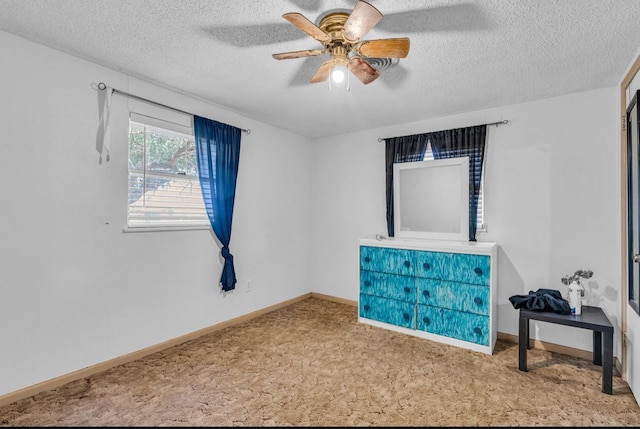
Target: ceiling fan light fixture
[339, 74]
[339, 70]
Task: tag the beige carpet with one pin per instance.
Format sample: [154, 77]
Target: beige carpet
[312, 364]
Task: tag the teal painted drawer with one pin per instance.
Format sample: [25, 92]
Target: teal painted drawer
[388, 285]
[474, 269]
[453, 295]
[385, 260]
[394, 312]
[468, 327]
[431, 264]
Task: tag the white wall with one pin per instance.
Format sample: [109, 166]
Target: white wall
[74, 289]
[552, 203]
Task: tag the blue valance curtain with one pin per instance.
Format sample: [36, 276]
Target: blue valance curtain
[401, 149]
[469, 141]
[218, 155]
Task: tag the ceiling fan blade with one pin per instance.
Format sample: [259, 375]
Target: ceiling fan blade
[307, 26]
[298, 54]
[384, 48]
[360, 21]
[323, 72]
[363, 70]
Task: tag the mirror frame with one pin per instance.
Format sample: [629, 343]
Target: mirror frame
[460, 167]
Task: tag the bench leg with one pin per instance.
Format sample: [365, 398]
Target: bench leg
[523, 343]
[597, 348]
[607, 363]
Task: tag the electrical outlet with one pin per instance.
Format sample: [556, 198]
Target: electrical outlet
[248, 287]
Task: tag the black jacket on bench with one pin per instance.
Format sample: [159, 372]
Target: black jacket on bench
[542, 300]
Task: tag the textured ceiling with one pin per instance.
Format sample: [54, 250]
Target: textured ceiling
[464, 56]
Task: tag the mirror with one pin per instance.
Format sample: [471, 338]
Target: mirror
[431, 199]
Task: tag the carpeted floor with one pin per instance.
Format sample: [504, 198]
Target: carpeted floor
[313, 364]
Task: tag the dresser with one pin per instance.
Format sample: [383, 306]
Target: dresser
[441, 290]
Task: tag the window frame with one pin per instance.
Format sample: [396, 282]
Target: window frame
[175, 125]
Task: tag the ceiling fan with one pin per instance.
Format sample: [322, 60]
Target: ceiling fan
[341, 34]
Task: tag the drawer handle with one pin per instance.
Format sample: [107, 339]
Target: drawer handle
[366, 307]
[367, 259]
[477, 331]
[426, 293]
[426, 266]
[477, 300]
[407, 289]
[478, 271]
[406, 316]
[407, 264]
[367, 283]
[426, 320]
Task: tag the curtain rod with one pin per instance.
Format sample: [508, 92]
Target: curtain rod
[102, 86]
[497, 124]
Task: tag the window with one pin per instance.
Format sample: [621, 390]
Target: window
[164, 189]
[481, 226]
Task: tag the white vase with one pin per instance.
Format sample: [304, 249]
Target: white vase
[575, 298]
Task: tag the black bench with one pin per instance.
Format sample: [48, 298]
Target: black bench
[592, 318]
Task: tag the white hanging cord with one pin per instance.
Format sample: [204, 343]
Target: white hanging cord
[103, 126]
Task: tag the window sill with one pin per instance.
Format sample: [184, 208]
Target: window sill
[128, 229]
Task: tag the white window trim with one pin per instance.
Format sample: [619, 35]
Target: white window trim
[128, 229]
[174, 122]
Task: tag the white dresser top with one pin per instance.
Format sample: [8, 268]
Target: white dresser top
[477, 247]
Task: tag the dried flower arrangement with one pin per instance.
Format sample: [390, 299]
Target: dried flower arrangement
[585, 274]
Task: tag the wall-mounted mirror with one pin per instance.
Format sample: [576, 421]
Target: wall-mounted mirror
[431, 199]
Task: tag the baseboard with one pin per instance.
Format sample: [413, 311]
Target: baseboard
[334, 299]
[549, 346]
[555, 348]
[95, 369]
[100, 367]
